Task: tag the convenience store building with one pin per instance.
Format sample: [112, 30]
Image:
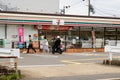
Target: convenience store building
[78, 33]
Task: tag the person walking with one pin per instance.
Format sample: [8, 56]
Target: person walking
[45, 45]
[30, 46]
[56, 46]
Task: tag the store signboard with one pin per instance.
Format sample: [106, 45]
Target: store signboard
[21, 34]
[58, 22]
[48, 27]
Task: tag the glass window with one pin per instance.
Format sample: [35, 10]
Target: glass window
[110, 36]
[99, 35]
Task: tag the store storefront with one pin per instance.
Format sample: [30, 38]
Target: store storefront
[81, 39]
[78, 33]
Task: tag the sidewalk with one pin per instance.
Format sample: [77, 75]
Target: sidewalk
[67, 70]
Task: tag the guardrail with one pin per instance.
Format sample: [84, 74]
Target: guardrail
[12, 52]
[15, 61]
[110, 50]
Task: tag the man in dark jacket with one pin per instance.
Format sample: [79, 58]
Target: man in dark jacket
[56, 46]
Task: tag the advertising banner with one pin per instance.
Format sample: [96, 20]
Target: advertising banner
[21, 35]
[93, 38]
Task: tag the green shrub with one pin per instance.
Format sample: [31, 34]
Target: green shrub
[7, 73]
[10, 77]
[113, 62]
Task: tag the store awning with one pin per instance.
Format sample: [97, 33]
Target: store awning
[49, 24]
[94, 25]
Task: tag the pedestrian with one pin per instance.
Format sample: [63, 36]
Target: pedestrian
[57, 45]
[30, 46]
[45, 45]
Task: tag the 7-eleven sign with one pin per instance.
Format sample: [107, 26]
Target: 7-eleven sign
[58, 22]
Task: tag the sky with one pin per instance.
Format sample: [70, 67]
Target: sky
[77, 7]
[102, 7]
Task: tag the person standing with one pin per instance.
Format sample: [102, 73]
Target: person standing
[45, 45]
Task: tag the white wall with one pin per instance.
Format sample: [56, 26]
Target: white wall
[13, 30]
[29, 30]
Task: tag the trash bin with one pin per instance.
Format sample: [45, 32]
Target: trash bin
[20, 45]
[2, 43]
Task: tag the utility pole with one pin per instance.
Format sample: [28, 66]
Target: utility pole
[88, 7]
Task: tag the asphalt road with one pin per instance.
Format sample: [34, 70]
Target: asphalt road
[66, 58]
[68, 66]
[82, 77]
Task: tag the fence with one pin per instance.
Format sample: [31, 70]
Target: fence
[9, 61]
[112, 50]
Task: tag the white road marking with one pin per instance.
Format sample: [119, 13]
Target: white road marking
[41, 65]
[86, 54]
[110, 79]
[70, 62]
[45, 55]
[21, 58]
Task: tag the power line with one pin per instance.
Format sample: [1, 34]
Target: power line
[104, 6]
[103, 12]
[76, 3]
[95, 4]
